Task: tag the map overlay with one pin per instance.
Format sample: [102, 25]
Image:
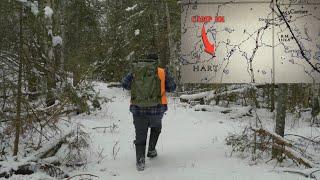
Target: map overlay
[250, 41]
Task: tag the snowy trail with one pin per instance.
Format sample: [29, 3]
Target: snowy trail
[191, 145]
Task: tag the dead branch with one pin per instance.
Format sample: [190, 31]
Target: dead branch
[82, 175]
[307, 174]
[296, 172]
[290, 153]
[106, 127]
[115, 150]
[308, 139]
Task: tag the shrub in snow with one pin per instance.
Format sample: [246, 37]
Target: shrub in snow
[74, 152]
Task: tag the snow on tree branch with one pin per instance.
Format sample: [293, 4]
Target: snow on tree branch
[131, 8]
[33, 6]
[56, 40]
[48, 12]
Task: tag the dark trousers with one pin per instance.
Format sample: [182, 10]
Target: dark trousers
[142, 124]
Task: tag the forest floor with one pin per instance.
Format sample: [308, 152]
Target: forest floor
[191, 146]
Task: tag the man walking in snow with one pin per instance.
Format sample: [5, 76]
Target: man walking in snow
[148, 84]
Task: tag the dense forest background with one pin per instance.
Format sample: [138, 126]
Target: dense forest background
[51, 50]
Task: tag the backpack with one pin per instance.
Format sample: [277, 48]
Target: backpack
[146, 84]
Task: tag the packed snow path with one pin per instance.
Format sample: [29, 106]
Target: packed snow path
[191, 145]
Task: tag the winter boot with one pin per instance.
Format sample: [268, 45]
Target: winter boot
[154, 135]
[140, 155]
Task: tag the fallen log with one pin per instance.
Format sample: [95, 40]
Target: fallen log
[238, 91]
[195, 97]
[49, 150]
[285, 147]
[208, 96]
[276, 138]
[32, 164]
[114, 84]
[30, 168]
[210, 108]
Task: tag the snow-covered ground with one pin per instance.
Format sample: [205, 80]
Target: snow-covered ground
[191, 145]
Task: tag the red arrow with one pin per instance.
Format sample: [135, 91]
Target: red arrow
[209, 48]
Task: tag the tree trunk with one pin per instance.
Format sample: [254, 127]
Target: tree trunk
[50, 99]
[155, 26]
[272, 98]
[161, 35]
[315, 103]
[18, 117]
[281, 115]
[62, 55]
[170, 48]
[59, 27]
